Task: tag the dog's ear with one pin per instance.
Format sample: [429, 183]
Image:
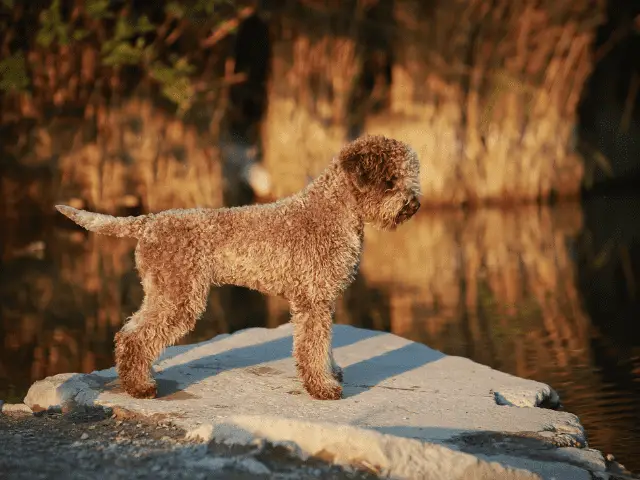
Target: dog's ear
[354, 166]
[364, 161]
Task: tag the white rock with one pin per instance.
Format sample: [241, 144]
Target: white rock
[347, 445]
[253, 466]
[61, 389]
[202, 433]
[518, 397]
[15, 408]
[214, 463]
[397, 395]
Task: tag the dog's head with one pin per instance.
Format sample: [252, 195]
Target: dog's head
[383, 176]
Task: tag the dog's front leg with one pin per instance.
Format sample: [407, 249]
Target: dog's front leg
[312, 349]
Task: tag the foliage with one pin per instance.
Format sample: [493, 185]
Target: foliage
[174, 79]
[122, 32]
[196, 9]
[98, 9]
[127, 46]
[13, 73]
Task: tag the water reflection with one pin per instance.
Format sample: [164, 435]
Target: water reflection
[548, 294]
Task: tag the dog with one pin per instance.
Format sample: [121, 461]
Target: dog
[305, 248]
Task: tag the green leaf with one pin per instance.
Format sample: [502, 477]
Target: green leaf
[44, 38]
[161, 73]
[13, 73]
[108, 46]
[144, 25]
[10, 4]
[79, 34]
[149, 53]
[98, 9]
[174, 9]
[52, 26]
[183, 66]
[180, 92]
[63, 37]
[123, 54]
[124, 29]
[175, 85]
[206, 6]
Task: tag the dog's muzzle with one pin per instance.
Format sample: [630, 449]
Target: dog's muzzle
[408, 211]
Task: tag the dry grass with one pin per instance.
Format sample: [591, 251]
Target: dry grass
[309, 91]
[144, 152]
[487, 94]
[103, 137]
[132, 155]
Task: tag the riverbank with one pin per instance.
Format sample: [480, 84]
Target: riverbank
[90, 443]
[408, 411]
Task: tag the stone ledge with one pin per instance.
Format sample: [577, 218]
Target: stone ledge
[407, 409]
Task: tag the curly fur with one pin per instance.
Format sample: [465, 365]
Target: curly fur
[305, 248]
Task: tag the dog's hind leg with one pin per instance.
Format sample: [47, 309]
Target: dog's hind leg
[312, 349]
[165, 316]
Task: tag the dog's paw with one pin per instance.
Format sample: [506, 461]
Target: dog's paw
[336, 371]
[147, 390]
[325, 391]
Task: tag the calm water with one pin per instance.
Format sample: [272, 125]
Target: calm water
[551, 295]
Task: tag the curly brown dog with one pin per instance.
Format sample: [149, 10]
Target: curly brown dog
[305, 248]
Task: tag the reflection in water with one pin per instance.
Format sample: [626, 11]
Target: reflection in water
[540, 293]
[127, 155]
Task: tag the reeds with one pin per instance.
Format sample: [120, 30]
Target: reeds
[142, 151]
[133, 155]
[309, 90]
[108, 129]
[487, 93]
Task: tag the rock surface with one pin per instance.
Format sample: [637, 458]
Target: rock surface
[88, 444]
[401, 399]
[14, 408]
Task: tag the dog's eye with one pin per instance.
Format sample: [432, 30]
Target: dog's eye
[390, 183]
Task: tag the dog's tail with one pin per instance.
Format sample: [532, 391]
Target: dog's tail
[106, 224]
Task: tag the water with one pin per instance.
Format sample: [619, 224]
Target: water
[547, 294]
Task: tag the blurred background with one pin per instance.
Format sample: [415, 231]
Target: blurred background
[525, 115]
